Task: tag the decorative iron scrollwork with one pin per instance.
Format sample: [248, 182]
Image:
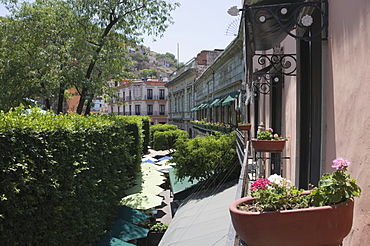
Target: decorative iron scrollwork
[285, 64]
[300, 13]
[276, 66]
[263, 82]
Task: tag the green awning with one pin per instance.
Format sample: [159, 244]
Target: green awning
[204, 105]
[195, 108]
[180, 189]
[113, 242]
[126, 231]
[214, 103]
[131, 215]
[230, 98]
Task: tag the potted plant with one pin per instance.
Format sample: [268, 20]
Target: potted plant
[244, 126]
[280, 214]
[267, 141]
[155, 234]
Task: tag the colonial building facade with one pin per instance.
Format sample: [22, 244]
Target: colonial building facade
[304, 73]
[141, 97]
[182, 94]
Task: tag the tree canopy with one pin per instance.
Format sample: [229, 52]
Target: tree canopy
[49, 46]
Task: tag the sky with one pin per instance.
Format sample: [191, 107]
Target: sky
[199, 25]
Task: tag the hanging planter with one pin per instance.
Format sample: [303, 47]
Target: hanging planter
[268, 142]
[244, 127]
[326, 225]
[268, 145]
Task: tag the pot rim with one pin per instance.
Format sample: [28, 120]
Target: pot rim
[233, 207]
[280, 140]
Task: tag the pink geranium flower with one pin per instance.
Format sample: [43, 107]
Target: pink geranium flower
[340, 163]
[260, 184]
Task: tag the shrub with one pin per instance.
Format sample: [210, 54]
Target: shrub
[160, 128]
[62, 176]
[203, 158]
[166, 140]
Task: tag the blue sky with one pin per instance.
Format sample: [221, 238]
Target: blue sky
[199, 25]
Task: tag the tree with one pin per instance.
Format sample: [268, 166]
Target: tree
[148, 73]
[132, 18]
[169, 57]
[79, 43]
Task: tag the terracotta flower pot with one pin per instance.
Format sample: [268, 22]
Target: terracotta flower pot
[324, 226]
[244, 127]
[268, 145]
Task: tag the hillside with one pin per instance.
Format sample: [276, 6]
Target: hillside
[147, 63]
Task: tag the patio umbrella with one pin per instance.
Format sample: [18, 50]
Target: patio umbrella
[148, 180]
[147, 166]
[164, 169]
[126, 231]
[141, 201]
[131, 215]
[148, 161]
[165, 158]
[163, 162]
[145, 189]
[113, 242]
[149, 158]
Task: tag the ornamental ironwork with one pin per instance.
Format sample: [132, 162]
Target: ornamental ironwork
[263, 82]
[285, 64]
[300, 13]
[276, 67]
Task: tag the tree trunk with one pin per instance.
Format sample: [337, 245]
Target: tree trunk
[88, 105]
[92, 65]
[60, 98]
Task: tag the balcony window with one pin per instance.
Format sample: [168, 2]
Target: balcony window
[137, 109]
[150, 109]
[161, 94]
[161, 109]
[150, 94]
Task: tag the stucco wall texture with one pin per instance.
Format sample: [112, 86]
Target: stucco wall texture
[347, 76]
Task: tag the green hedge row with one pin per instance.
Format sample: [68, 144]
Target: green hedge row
[62, 176]
[160, 128]
[207, 158]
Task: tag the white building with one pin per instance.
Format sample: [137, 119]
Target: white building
[141, 97]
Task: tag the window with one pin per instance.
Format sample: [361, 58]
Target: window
[161, 109]
[150, 109]
[149, 94]
[129, 110]
[161, 94]
[137, 109]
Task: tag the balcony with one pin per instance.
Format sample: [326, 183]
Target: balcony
[143, 113]
[155, 97]
[208, 127]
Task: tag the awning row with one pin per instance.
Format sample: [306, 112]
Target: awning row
[219, 101]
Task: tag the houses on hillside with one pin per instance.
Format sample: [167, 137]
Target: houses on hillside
[296, 69]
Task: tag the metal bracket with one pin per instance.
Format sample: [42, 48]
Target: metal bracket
[301, 13]
[276, 67]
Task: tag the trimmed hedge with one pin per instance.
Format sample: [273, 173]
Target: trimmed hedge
[62, 176]
[166, 140]
[207, 158]
[160, 128]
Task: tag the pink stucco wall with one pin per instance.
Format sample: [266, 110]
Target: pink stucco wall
[347, 75]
